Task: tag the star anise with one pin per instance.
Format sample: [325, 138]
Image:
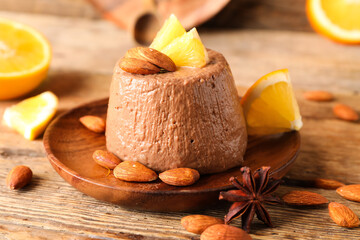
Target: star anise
[249, 199]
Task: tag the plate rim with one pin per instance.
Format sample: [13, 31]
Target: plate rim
[58, 163]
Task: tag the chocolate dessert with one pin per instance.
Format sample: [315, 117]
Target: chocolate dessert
[188, 118]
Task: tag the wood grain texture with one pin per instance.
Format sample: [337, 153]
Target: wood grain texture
[81, 71]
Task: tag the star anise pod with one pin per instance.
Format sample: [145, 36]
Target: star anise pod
[249, 199]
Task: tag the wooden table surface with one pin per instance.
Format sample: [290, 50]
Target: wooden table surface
[84, 53]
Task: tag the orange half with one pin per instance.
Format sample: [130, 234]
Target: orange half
[338, 20]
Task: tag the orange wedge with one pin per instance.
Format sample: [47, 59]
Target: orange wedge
[171, 29]
[270, 106]
[187, 50]
[31, 116]
[184, 48]
[338, 20]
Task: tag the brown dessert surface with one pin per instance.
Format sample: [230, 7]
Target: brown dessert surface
[188, 118]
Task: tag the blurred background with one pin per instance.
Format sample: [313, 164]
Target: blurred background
[252, 34]
[258, 14]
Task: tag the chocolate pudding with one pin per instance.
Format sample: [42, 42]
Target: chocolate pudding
[188, 118]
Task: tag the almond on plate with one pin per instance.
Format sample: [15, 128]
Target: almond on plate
[198, 223]
[343, 216]
[106, 159]
[93, 123]
[180, 176]
[132, 171]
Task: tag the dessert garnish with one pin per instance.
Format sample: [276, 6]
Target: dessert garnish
[138, 66]
[184, 48]
[172, 47]
[170, 30]
[270, 105]
[152, 56]
[143, 60]
[187, 50]
[249, 199]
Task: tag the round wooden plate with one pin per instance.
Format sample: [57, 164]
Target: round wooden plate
[69, 148]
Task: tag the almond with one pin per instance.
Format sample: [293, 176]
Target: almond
[350, 192]
[343, 216]
[345, 112]
[327, 183]
[93, 123]
[132, 171]
[180, 176]
[224, 232]
[319, 96]
[138, 66]
[19, 177]
[106, 159]
[304, 198]
[153, 56]
[198, 223]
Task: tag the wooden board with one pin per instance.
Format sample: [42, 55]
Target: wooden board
[81, 71]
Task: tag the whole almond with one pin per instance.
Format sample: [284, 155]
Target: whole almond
[153, 56]
[327, 183]
[132, 171]
[319, 96]
[224, 232]
[180, 176]
[138, 66]
[345, 112]
[198, 223]
[350, 192]
[343, 216]
[304, 198]
[93, 123]
[106, 159]
[19, 177]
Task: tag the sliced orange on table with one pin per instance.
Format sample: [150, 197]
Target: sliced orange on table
[31, 116]
[24, 59]
[270, 106]
[337, 19]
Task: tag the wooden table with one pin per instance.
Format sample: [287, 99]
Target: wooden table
[84, 53]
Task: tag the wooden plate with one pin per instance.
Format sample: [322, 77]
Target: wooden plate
[69, 148]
